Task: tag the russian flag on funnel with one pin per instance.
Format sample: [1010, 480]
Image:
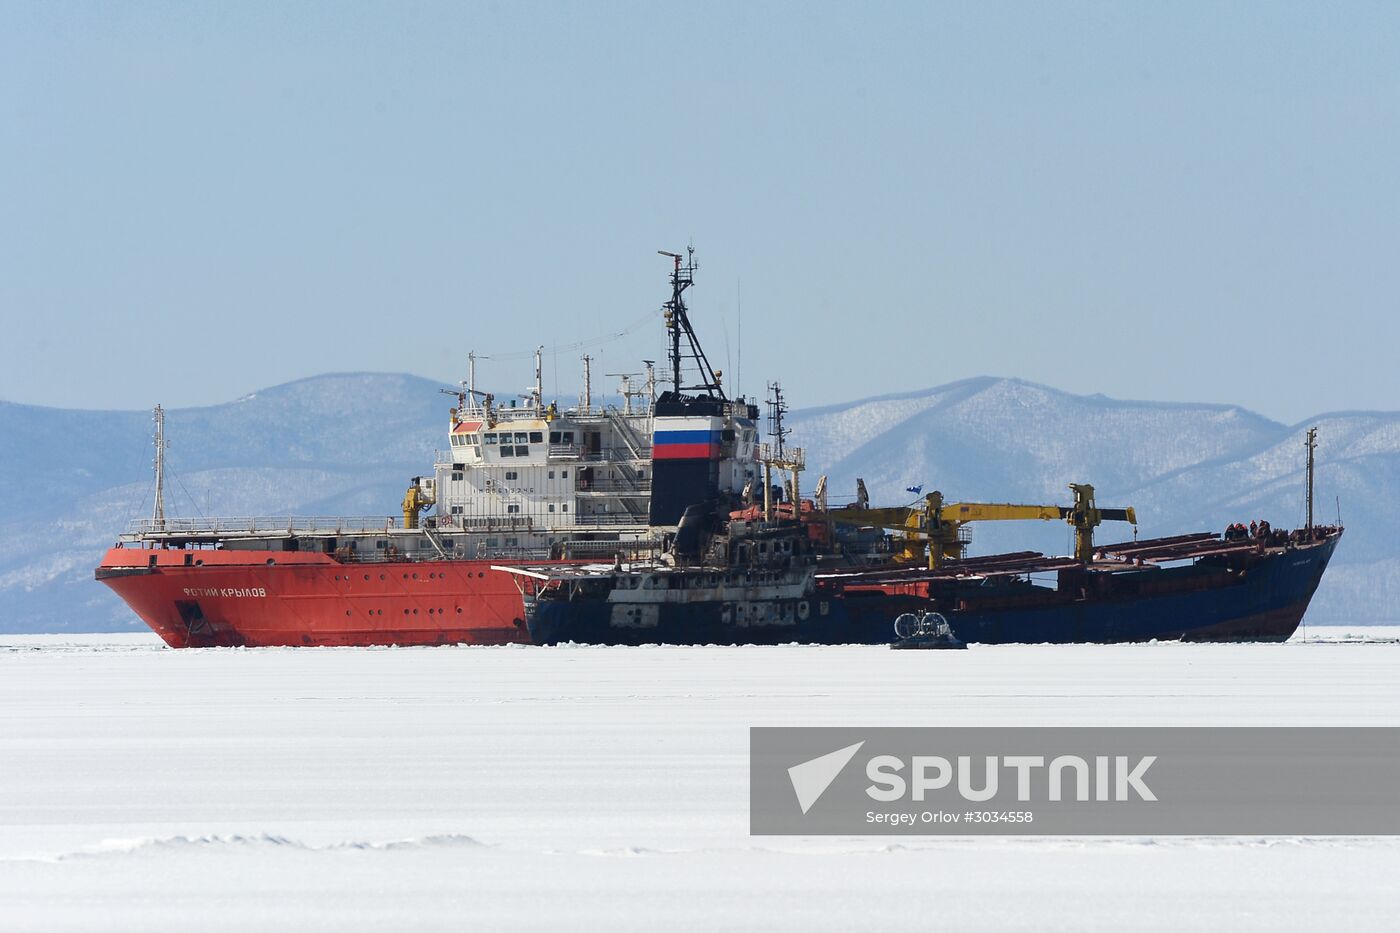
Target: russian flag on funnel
[685, 445]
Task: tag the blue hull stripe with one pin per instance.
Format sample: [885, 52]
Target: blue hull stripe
[662, 438]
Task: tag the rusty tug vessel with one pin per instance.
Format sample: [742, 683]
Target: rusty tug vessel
[658, 521]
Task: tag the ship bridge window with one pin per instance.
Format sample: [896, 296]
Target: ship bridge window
[554, 437]
[507, 451]
[490, 439]
[521, 451]
[536, 437]
[522, 437]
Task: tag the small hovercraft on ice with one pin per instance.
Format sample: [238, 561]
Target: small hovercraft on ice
[924, 630]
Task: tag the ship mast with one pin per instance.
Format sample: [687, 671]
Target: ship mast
[585, 401]
[777, 408]
[678, 324]
[539, 380]
[158, 511]
[779, 455]
[1312, 448]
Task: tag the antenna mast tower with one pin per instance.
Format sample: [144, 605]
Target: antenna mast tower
[678, 324]
[1312, 449]
[778, 455]
[158, 511]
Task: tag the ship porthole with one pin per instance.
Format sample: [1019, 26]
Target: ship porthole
[270, 561]
[803, 610]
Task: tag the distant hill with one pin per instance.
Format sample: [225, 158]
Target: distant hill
[346, 444]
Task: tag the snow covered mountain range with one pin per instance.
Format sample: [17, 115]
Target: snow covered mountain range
[346, 444]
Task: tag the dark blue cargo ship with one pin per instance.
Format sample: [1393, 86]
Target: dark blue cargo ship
[1191, 587]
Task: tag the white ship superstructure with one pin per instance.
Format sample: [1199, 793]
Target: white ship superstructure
[527, 475]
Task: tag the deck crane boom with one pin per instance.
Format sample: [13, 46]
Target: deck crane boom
[934, 525]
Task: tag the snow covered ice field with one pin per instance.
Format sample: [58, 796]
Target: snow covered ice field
[484, 788]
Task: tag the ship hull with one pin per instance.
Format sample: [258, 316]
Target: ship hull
[1266, 603]
[209, 598]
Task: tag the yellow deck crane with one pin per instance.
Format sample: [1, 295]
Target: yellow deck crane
[418, 497]
[933, 526]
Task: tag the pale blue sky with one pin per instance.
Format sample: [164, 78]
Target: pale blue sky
[1167, 201]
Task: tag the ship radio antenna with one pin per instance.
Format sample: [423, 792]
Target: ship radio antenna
[678, 325]
[739, 363]
[1312, 449]
[471, 375]
[158, 511]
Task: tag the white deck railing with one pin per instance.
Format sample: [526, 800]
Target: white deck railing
[265, 524]
[272, 525]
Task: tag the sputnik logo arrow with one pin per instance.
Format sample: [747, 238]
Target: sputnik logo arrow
[811, 778]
